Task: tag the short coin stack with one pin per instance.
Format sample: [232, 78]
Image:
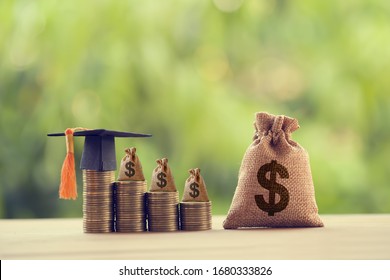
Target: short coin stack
[163, 199]
[195, 216]
[130, 212]
[195, 208]
[98, 210]
[163, 212]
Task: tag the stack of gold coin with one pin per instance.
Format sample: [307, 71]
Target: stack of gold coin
[98, 210]
[130, 209]
[163, 211]
[195, 216]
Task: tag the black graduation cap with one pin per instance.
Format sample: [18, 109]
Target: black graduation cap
[99, 147]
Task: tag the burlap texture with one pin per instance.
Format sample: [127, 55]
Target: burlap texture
[195, 187]
[131, 168]
[162, 178]
[274, 166]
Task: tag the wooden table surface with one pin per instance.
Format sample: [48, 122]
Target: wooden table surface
[343, 237]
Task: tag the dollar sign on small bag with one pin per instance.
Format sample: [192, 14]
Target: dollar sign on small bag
[162, 183]
[273, 187]
[195, 190]
[129, 166]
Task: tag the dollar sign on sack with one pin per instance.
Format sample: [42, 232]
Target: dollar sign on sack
[161, 176]
[195, 190]
[273, 187]
[131, 171]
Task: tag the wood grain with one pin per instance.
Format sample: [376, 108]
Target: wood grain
[343, 237]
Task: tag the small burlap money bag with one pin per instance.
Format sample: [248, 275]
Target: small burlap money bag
[195, 188]
[131, 168]
[162, 178]
[275, 186]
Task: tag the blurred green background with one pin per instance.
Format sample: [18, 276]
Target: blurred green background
[193, 74]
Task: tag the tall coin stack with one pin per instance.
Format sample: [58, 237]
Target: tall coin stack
[98, 210]
[130, 189]
[130, 214]
[195, 208]
[163, 199]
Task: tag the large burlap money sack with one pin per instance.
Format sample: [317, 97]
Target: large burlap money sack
[162, 178]
[275, 186]
[131, 168]
[195, 187]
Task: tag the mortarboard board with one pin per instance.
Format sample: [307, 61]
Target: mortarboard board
[98, 154]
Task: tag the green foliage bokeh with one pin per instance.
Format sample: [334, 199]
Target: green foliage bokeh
[193, 74]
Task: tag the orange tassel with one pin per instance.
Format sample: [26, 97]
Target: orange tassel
[68, 186]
